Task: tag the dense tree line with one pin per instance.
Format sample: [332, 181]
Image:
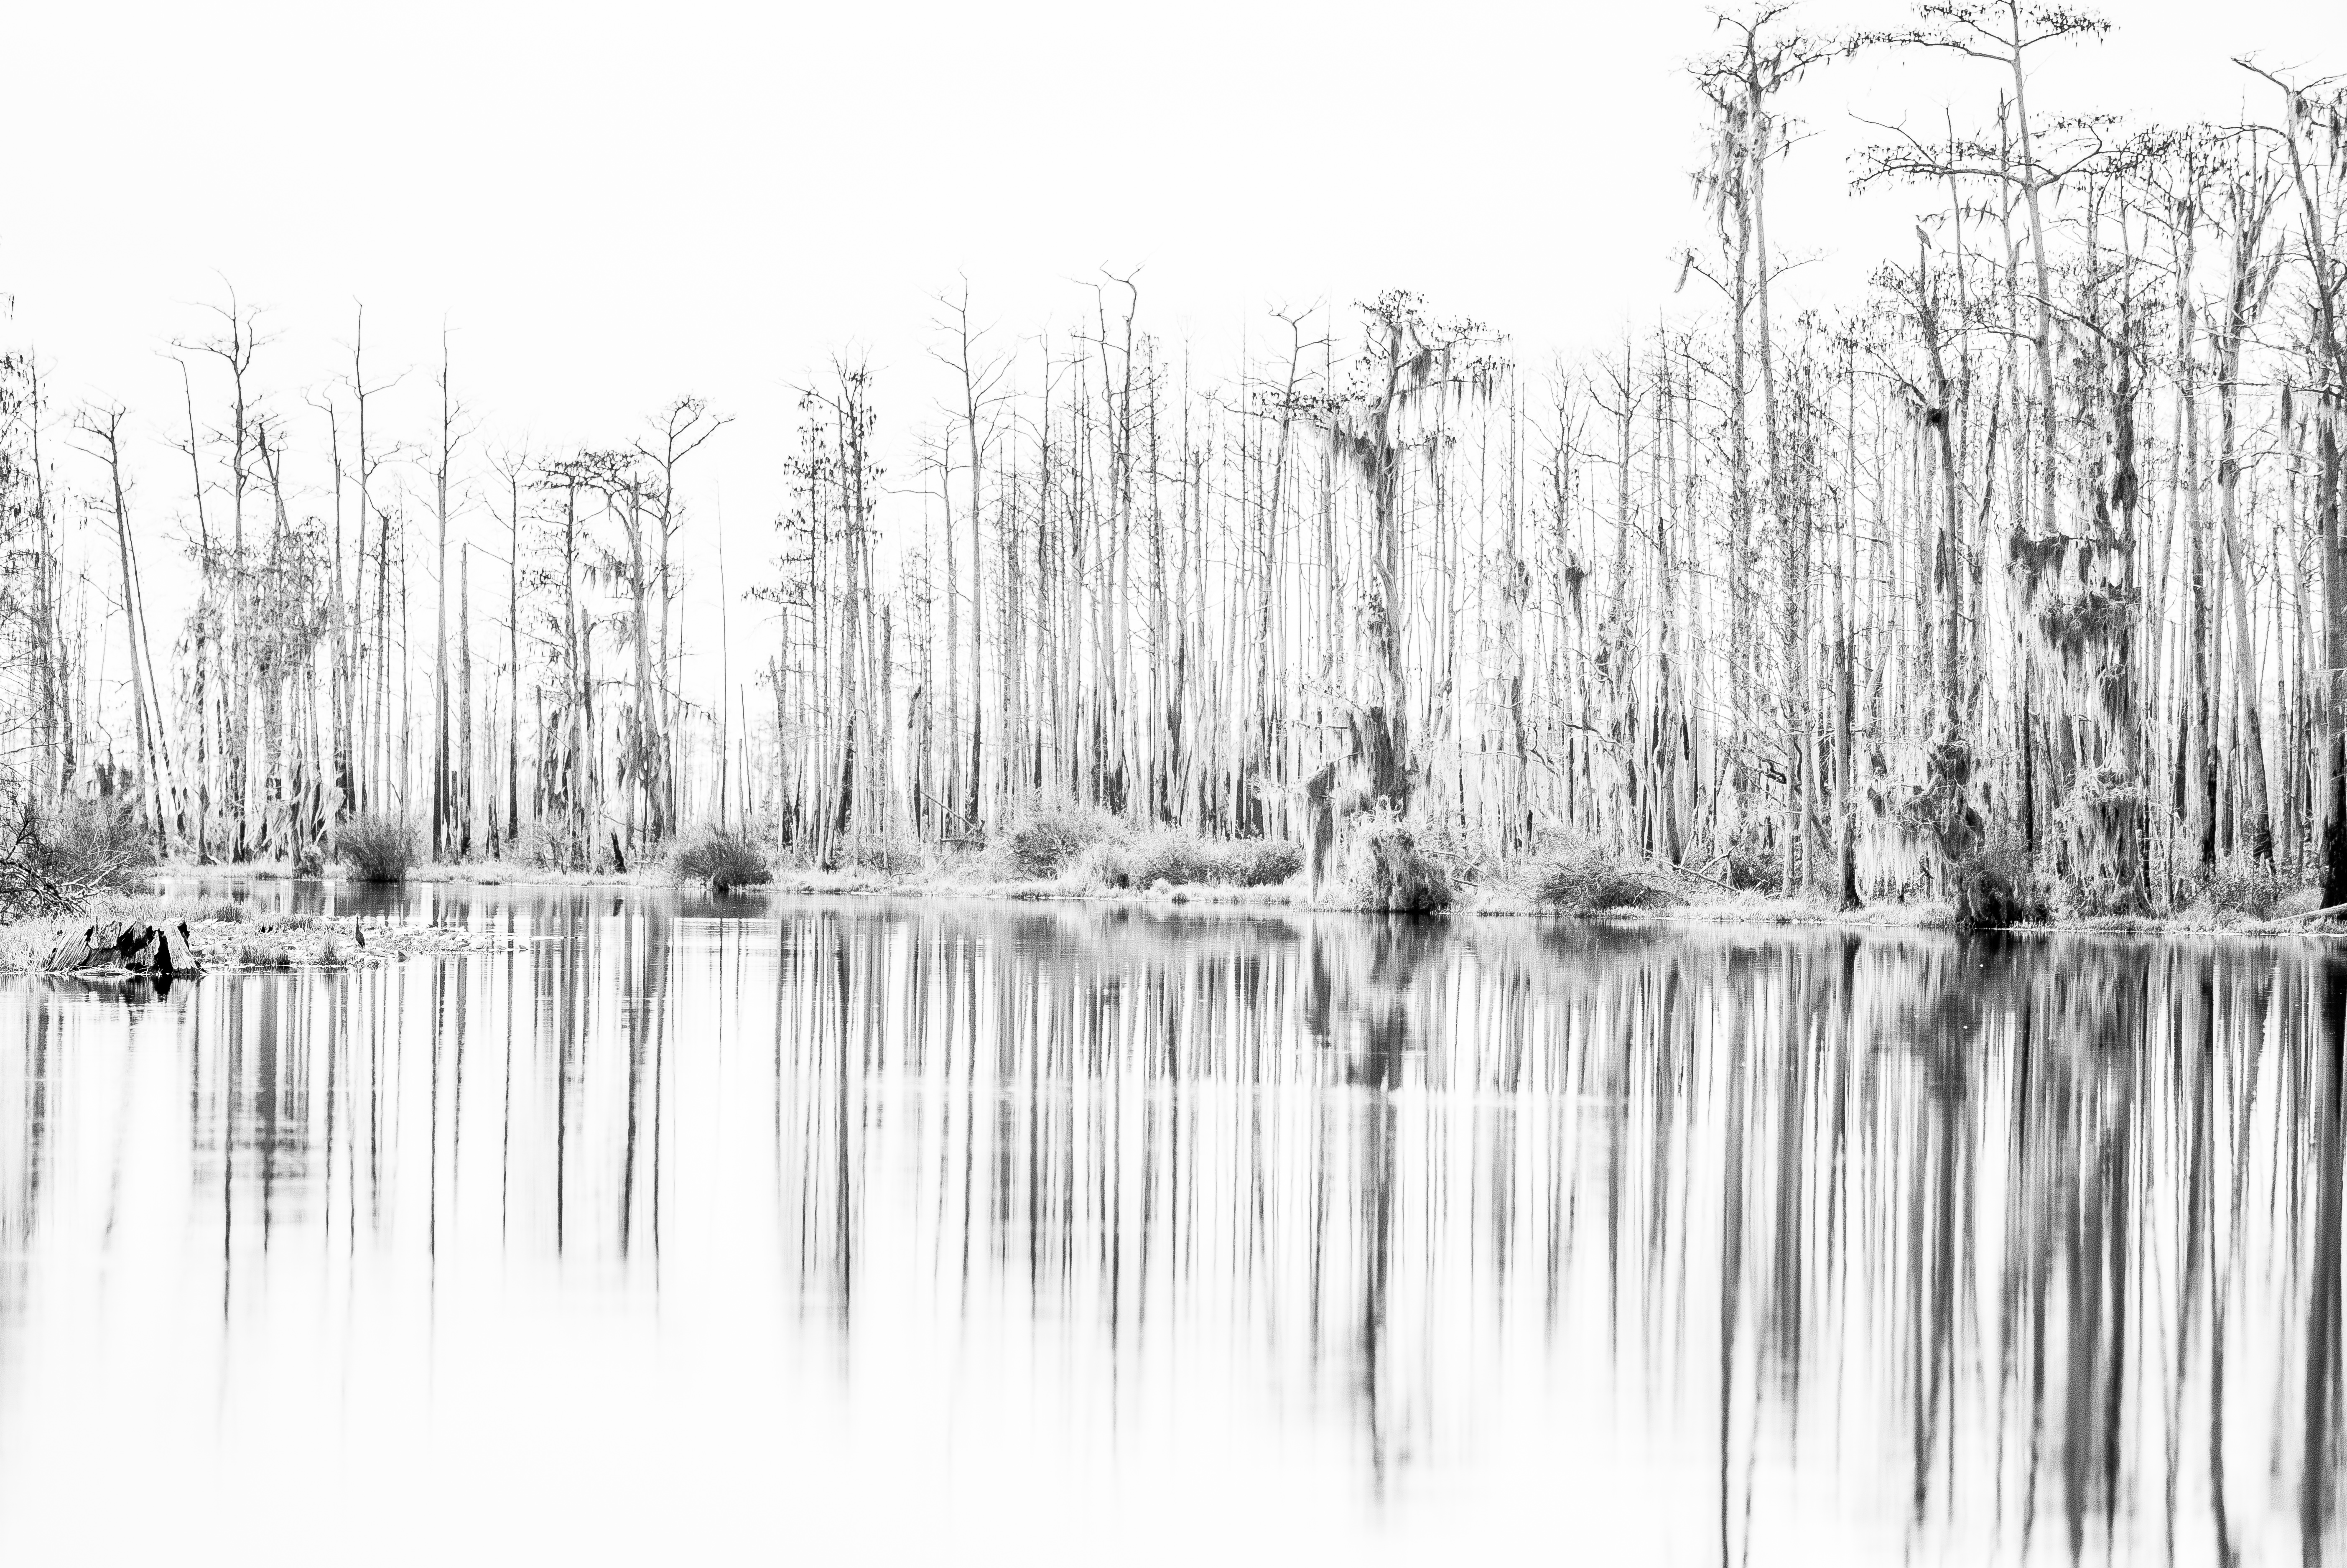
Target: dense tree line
[2033, 548]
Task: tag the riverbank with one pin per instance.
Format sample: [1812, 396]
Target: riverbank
[229, 936]
[1513, 897]
[471, 872]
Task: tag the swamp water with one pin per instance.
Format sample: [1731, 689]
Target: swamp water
[686, 1231]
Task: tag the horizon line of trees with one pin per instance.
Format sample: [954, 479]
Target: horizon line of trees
[2034, 549]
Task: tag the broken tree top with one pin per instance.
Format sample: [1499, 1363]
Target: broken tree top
[133, 946]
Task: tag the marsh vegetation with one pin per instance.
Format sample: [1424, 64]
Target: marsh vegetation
[2009, 581]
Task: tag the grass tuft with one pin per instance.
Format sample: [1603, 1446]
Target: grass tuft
[257, 955]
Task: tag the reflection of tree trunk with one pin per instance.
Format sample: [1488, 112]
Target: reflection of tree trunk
[2316, 1477]
[2117, 1233]
[2247, 1034]
[1376, 1246]
[2200, 1041]
[2192, 1032]
[1731, 1260]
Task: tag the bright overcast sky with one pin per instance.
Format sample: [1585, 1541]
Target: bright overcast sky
[612, 205]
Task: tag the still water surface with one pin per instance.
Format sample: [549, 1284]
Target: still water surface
[852, 1230]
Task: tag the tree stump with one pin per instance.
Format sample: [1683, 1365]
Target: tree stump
[133, 946]
[1320, 818]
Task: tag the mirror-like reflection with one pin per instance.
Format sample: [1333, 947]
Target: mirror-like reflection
[880, 1228]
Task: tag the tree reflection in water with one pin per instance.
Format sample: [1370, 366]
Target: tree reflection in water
[2033, 1246]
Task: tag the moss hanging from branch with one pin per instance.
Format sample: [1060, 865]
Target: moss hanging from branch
[2088, 622]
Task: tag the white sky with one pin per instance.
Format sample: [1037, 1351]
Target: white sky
[612, 205]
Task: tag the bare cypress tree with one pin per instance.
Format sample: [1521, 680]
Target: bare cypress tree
[444, 777]
[982, 377]
[513, 467]
[102, 427]
[2250, 191]
[234, 342]
[679, 430]
[2313, 141]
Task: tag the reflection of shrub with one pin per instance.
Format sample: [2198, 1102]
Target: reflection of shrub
[1587, 878]
[1999, 885]
[378, 848]
[2241, 886]
[719, 857]
[1045, 840]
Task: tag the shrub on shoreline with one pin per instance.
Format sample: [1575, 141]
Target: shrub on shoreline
[1045, 841]
[1587, 878]
[899, 860]
[1751, 863]
[1384, 872]
[1999, 885]
[2240, 886]
[720, 857]
[84, 847]
[378, 848]
[1182, 859]
[541, 844]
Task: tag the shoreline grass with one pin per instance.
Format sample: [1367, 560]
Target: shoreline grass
[1488, 900]
[1091, 859]
[228, 937]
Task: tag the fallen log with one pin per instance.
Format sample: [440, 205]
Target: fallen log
[132, 947]
[2312, 914]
